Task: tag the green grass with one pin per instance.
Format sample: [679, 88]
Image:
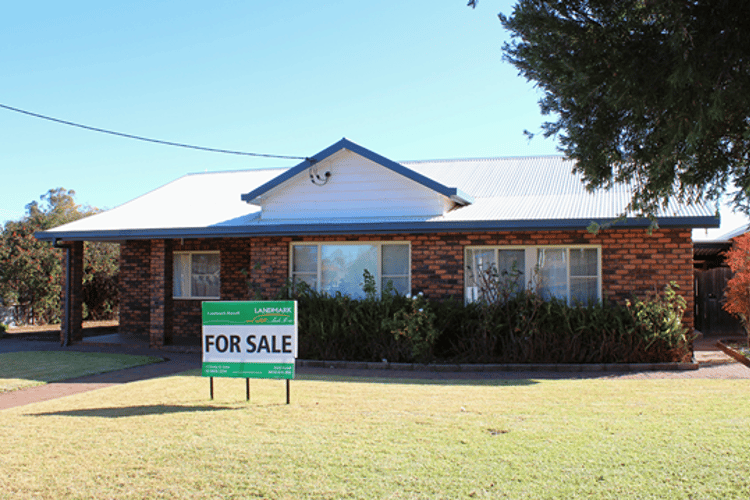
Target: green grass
[19, 370]
[164, 438]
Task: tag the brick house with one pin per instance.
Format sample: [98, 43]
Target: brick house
[426, 226]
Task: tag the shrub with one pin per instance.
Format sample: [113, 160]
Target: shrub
[3, 329]
[381, 326]
[658, 324]
[414, 325]
[737, 294]
[517, 328]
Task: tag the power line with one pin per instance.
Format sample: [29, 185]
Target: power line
[146, 139]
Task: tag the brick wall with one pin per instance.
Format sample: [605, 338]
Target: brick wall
[161, 303]
[235, 261]
[135, 273]
[633, 262]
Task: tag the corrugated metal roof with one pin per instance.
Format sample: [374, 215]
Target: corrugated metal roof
[493, 177]
[194, 200]
[510, 193]
[543, 187]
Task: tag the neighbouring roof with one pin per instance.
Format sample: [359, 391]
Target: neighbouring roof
[528, 193]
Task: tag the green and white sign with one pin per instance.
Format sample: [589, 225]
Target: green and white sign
[249, 339]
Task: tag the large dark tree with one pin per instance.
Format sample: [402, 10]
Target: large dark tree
[652, 92]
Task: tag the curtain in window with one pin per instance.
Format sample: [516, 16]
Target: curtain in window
[584, 270]
[395, 268]
[553, 273]
[205, 275]
[196, 275]
[181, 275]
[305, 264]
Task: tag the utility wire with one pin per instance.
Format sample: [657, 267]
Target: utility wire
[146, 139]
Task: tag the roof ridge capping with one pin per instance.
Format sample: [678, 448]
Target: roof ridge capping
[453, 193]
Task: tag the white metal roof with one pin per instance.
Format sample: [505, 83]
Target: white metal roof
[507, 193]
[194, 200]
[542, 187]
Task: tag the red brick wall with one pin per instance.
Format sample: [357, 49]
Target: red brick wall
[135, 273]
[160, 293]
[633, 262]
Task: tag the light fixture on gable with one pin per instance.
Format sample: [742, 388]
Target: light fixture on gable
[317, 178]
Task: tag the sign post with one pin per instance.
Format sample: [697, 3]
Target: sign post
[247, 340]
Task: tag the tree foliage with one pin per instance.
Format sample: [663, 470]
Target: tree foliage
[737, 293]
[650, 92]
[31, 270]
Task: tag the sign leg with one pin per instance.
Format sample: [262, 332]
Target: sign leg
[212, 388]
[247, 388]
[287, 391]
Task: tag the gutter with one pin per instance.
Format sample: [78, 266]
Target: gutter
[314, 229]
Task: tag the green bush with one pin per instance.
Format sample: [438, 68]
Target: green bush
[3, 329]
[525, 328]
[658, 324]
[339, 327]
[517, 328]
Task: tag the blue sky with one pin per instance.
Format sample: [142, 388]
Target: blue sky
[411, 80]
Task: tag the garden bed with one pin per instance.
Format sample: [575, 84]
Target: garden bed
[52, 332]
[736, 350]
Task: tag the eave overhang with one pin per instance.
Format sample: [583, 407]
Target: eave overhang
[710, 249]
[323, 229]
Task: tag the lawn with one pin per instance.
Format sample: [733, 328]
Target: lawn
[19, 370]
[339, 438]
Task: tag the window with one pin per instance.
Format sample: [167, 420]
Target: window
[196, 275]
[339, 267]
[507, 265]
[570, 273]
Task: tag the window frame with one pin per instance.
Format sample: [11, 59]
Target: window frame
[379, 256]
[531, 253]
[190, 273]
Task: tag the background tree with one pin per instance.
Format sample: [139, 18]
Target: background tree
[31, 270]
[653, 92]
[737, 294]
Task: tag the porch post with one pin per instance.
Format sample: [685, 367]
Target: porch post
[160, 287]
[71, 329]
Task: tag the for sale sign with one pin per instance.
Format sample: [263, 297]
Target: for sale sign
[249, 339]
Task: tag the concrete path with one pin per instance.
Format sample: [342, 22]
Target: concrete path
[714, 364]
[173, 363]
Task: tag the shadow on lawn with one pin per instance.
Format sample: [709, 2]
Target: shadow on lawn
[131, 411]
[415, 379]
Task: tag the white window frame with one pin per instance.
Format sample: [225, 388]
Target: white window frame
[377, 244]
[530, 265]
[190, 274]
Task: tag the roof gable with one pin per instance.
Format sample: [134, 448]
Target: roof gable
[289, 187]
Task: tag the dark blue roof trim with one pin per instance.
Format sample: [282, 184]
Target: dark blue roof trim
[455, 194]
[367, 228]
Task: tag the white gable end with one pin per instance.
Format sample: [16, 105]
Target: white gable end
[356, 188]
